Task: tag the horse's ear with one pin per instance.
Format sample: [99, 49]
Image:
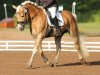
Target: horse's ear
[25, 10]
[15, 7]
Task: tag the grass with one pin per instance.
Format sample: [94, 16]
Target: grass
[89, 28]
[84, 28]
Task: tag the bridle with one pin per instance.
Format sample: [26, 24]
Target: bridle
[27, 14]
[26, 20]
[22, 22]
[36, 14]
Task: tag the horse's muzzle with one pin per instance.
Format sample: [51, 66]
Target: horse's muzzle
[20, 27]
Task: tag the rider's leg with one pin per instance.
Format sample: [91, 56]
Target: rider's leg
[54, 20]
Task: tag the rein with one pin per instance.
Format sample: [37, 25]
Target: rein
[36, 14]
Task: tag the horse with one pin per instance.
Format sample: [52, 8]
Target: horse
[36, 16]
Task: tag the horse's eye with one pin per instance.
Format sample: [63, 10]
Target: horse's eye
[17, 13]
[22, 16]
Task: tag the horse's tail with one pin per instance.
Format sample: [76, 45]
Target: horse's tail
[73, 31]
[79, 42]
[83, 48]
[80, 46]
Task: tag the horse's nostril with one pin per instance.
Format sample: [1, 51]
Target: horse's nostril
[21, 28]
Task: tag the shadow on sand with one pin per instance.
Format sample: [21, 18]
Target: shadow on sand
[92, 63]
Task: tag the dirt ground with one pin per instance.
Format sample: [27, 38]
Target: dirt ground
[14, 34]
[14, 63]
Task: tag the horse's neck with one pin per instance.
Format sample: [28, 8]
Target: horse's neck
[32, 10]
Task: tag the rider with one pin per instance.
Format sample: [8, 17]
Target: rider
[51, 6]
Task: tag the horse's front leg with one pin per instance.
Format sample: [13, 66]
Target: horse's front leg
[29, 64]
[38, 47]
[58, 49]
[45, 59]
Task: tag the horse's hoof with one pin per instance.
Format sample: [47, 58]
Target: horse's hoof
[83, 62]
[50, 65]
[86, 64]
[55, 65]
[29, 66]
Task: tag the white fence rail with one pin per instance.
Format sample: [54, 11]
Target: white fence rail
[47, 46]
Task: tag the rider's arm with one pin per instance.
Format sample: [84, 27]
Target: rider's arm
[38, 2]
[48, 3]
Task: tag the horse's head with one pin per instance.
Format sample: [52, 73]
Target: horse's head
[26, 12]
[22, 16]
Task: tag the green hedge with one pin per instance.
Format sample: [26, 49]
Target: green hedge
[10, 10]
[86, 10]
[93, 16]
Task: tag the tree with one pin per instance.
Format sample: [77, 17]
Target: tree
[84, 8]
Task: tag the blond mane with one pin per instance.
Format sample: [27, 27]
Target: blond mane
[30, 2]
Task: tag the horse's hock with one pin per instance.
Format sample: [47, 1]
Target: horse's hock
[7, 23]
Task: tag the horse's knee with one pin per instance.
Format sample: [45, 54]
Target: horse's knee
[34, 52]
[40, 52]
[77, 44]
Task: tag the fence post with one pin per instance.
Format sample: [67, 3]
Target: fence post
[49, 45]
[73, 10]
[5, 8]
[6, 45]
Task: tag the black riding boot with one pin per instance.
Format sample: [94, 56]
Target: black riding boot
[54, 21]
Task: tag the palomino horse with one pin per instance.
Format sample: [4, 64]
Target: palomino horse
[37, 18]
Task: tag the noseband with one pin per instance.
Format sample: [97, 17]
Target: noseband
[25, 21]
[22, 22]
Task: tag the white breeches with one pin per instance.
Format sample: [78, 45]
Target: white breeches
[52, 11]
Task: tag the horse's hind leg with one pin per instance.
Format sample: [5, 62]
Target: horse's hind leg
[79, 45]
[58, 48]
[82, 52]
